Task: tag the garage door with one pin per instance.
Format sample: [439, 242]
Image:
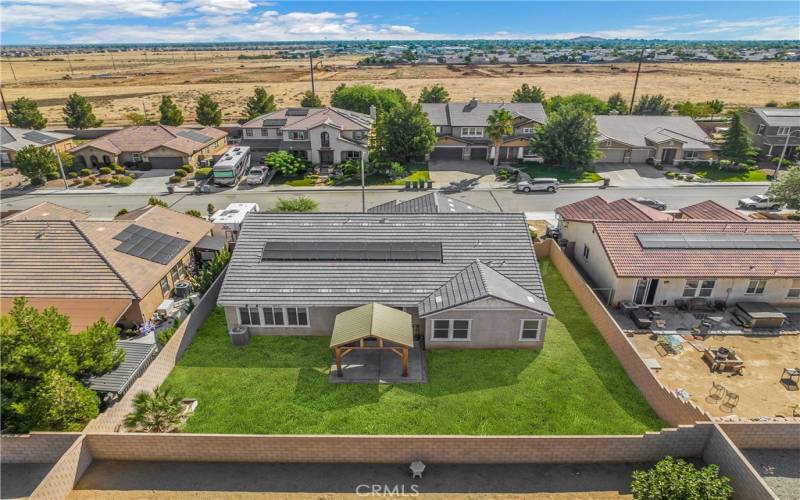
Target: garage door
[447, 154]
[611, 156]
[478, 153]
[171, 162]
[640, 155]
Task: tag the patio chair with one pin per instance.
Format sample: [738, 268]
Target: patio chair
[731, 400]
[717, 392]
[417, 468]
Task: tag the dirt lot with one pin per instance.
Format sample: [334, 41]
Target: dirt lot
[132, 80]
[759, 389]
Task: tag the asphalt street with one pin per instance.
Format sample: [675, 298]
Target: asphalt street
[107, 205]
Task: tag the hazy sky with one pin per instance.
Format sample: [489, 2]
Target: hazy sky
[108, 21]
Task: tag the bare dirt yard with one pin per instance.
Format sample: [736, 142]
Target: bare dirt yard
[127, 82]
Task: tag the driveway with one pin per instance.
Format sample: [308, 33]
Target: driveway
[443, 172]
[630, 175]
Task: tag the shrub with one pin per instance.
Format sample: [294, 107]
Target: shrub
[145, 166]
[86, 171]
[37, 181]
[786, 162]
[104, 179]
[203, 279]
[124, 180]
[52, 176]
[122, 211]
[669, 174]
[114, 181]
[88, 181]
[299, 204]
[76, 182]
[175, 179]
[397, 171]
[285, 163]
[674, 478]
[194, 213]
[158, 202]
[105, 170]
[118, 169]
[188, 168]
[166, 334]
[72, 175]
[181, 173]
[203, 173]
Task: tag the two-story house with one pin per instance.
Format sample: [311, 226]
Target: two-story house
[772, 129]
[461, 130]
[323, 136]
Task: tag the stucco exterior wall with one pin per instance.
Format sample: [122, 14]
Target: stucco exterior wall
[143, 309]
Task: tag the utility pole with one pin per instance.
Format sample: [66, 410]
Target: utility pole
[363, 188]
[2, 97]
[311, 62]
[12, 70]
[144, 109]
[636, 81]
[112, 61]
[195, 56]
[60, 166]
[71, 71]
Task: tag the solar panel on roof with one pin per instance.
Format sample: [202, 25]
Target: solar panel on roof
[38, 137]
[148, 244]
[296, 112]
[195, 136]
[353, 251]
[274, 122]
[718, 241]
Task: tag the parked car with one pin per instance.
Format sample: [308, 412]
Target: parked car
[548, 184]
[257, 175]
[650, 202]
[759, 201]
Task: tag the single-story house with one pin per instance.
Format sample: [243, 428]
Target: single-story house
[160, 146]
[461, 129]
[771, 128]
[430, 203]
[664, 139]
[467, 280]
[13, 139]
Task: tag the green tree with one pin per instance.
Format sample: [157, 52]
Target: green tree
[586, 102]
[36, 163]
[208, 112]
[402, 134]
[736, 144]
[203, 279]
[568, 138]
[716, 106]
[170, 114]
[360, 97]
[94, 349]
[194, 213]
[157, 411]
[786, 189]
[78, 113]
[652, 105]
[61, 403]
[285, 162]
[676, 479]
[499, 124]
[259, 104]
[310, 100]
[137, 118]
[528, 93]
[434, 94]
[693, 109]
[24, 113]
[617, 103]
[299, 204]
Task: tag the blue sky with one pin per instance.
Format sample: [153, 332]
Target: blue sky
[109, 21]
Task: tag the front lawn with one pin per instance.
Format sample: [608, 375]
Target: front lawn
[279, 385]
[714, 173]
[417, 172]
[563, 174]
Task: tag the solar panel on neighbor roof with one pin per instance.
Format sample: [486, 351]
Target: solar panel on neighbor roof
[274, 122]
[38, 137]
[148, 244]
[353, 251]
[195, 136]
[296, 112]
[718, 241]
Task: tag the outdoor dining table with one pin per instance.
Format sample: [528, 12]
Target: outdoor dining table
[733, 362]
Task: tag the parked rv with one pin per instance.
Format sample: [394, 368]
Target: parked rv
[231, 166]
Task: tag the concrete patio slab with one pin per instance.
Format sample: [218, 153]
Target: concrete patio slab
[380, 367]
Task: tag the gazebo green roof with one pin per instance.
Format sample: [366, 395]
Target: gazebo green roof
[373, 320]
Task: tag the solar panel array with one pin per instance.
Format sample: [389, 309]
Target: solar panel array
[38, 137]
[297, 112]
[195, 136]
[148, 244]
[274, 122]
[721, 241]
[353, 251]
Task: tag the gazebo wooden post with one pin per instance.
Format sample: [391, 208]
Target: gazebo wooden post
[339, 362]
[405, 361]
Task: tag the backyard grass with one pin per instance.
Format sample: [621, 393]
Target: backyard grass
[563, 174]
[279, 385]
[722, 175]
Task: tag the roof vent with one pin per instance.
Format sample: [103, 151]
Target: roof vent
[438, 299]
[325, 290]
[286, 290]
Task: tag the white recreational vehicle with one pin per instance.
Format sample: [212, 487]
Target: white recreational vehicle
[228, 221]
[231, 166]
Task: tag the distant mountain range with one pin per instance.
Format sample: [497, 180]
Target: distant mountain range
[587, 39]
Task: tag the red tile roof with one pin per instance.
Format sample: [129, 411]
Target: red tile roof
[597, 208]
[629, 259]
[711, 210]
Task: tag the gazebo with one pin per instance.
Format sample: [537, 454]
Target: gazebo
[370, 327]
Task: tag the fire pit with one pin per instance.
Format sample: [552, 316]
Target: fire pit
[722, 354]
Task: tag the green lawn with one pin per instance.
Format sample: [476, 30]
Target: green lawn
[564, 175]
[296, 181]
[721, 175]
[279, 385]
[416, 172]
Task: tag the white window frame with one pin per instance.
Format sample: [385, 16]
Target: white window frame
[760, 130]
[248, 132]
[697, 289]
[538, 330]
[794, 290]
[136, 157]
[250, 310]
[783, 131]
[161, 284]
[298, 135]
[471, 131]
[438, 129]
[284, 316]
[755, 287]
[691, 155]
[352, 155]
[450, 330]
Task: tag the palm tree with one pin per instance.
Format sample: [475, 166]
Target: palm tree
[157, 411]
[500, 123]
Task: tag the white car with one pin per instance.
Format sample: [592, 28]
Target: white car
[759, 201]
[539, 184]
[257, 175]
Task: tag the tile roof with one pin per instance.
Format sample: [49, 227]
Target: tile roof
[460, 114]
[779, 117]
[642, 131]
[597, 208]
[143, 138]
[48, 211]
[82, 313]
[430, 203]
[337, 117]
[711, 210]
[630, 259]
[17, 138]
[501, 241]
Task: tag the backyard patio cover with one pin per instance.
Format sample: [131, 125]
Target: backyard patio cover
[373, 320]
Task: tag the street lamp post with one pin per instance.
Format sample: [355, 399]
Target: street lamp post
[783, 153]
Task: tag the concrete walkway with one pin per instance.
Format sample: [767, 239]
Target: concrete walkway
[380, 367]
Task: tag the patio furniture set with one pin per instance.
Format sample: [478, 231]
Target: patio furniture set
[719, 393]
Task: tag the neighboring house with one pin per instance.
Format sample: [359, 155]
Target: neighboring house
[771, 127]
[430, 203]
[654, 259]
[322, 136]
[467, 280]
[666, 139]
[461, 130]
[161, 146]
[13, 139]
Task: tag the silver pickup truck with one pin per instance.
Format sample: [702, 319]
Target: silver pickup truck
[759, 201]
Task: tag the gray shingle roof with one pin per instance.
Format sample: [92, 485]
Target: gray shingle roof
[478, 281]
[779, 117]
[637, 130]
[456, 114]
[499, 240]
[430, 203]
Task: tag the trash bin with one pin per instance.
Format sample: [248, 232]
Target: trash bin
[414, 185]
[170, 189]
[408, 185]
[606, 182]
[430, 184]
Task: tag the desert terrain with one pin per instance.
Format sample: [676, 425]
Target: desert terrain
[119, 83]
